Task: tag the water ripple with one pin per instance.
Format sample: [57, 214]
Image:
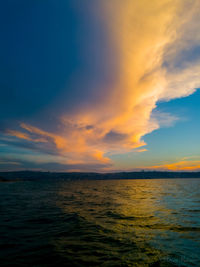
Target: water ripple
[100, 223]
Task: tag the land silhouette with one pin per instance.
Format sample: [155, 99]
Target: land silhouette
[35, 175]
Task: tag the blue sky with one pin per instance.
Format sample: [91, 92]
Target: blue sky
[171, 143]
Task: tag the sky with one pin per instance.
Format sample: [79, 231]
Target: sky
[99, 85]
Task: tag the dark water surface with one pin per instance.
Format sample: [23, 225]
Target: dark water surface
[100, 223]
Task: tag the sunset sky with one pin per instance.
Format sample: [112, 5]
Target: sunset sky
[101, 85]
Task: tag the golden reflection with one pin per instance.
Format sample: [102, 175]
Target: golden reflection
[126, 211]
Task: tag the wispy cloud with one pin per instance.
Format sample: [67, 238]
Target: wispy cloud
[182, 165]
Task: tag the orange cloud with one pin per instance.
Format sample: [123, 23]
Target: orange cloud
[74, 152]
[183, 165]
[19, 135]
[59, 141]
[141, 150]
[147, 36]
[37, 135]
[99, 156]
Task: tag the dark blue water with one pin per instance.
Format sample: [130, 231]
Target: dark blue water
[100, 223]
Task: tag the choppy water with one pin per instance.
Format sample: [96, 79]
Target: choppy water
[100, 223]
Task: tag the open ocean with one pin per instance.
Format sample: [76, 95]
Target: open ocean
[56, 222]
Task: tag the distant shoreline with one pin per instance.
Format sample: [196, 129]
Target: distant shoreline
[35, 175]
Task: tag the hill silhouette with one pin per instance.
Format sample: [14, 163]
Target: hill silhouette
[35, 175]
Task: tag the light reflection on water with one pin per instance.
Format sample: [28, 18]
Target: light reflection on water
[102, 223]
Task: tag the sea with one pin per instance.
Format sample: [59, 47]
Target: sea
[141, 222]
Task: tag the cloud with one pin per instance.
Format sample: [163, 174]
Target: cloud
[113, 136]
[141, 150]
[34, 162]
[149, 39]
[182, 165]
[57, 147]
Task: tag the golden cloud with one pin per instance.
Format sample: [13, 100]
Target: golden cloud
[148, 37]
[183, 165]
